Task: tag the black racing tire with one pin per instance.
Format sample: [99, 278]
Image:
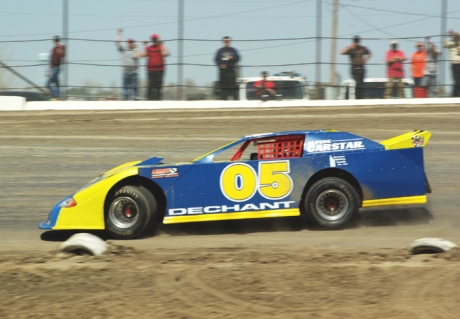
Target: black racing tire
[129, 212]
[332, 203]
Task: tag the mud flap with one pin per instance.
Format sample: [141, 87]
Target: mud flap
[427, 185]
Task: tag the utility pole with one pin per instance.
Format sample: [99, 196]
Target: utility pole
[318, 47]
[335, 11]
[65, 28]
[442, 67]
[180, 51]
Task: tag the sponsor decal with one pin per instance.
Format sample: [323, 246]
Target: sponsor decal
[333, 146]
[418, 140]
[335, 161]
[165, 172]
[228, 208]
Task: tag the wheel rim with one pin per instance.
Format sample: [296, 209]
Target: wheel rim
[332, 204]
[124, 212]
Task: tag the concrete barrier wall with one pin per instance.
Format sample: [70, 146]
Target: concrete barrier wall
[12, 103]
[16, 103]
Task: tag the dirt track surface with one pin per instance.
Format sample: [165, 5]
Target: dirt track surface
[265, 269]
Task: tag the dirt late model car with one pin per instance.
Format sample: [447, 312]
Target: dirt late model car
[325, 174]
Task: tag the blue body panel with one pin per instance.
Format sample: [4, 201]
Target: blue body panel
[53, 216]
[269, 184]
[381, 173]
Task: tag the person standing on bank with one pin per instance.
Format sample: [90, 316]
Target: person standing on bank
[155, 54]
[226, 58]
[431, 69]
[57, 58]
[417, 62]
[130, 56]
[395, 70]
[359, 55]
[454, 49]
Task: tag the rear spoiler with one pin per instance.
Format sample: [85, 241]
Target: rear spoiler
[417, 138]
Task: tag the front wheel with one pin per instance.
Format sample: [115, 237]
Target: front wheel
[130, 210]
[332, 203]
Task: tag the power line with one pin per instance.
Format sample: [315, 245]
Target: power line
[342, 37]
[205, 64]
[185, 20]
[398, 12]
[368, 23]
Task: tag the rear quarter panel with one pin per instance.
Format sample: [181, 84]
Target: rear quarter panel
[380, 173]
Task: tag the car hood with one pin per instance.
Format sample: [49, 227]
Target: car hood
[122, 167]
[151, 161]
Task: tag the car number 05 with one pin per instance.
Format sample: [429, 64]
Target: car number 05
[239, 181]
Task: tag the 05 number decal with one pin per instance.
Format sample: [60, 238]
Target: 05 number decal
[239, 181]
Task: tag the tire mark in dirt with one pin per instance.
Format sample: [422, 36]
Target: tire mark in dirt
[187, 293]
[200, 284]
[435, 283]
[196, 294]
[422, 292]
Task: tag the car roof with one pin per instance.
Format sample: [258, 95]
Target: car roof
[263, 135]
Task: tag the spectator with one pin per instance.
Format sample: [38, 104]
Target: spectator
[454, 48]
[359, 55]
[265, 89]
[130, 63]
[226, 59]
[431, 69]
[395, 70]
[57, 58]
[155, 67]
[417, 62]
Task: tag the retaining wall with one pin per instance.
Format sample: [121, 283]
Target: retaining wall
[12, 103]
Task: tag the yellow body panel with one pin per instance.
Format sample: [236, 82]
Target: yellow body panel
[406, 140]
[410, 200]
[89, 211]
[232, 216]
[119, 168]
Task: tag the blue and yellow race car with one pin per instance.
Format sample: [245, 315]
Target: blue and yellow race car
[325, 174]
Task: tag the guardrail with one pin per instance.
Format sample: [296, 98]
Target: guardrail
[13, 103]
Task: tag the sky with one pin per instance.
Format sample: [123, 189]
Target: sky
[270, 35]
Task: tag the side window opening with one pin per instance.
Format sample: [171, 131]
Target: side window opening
[286, 146]
[290, 146]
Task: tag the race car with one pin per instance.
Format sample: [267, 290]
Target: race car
[325, 174]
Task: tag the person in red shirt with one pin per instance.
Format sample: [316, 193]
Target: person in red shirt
[155, 54]
[418, 62]
[265, 89]
[395, 70]
[57, 57]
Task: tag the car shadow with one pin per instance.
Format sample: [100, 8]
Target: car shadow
[395, 216]
[63, 235]
[367, 218]
[233, 226]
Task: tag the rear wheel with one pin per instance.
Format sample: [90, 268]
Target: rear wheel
[130, 211]
[332, 203]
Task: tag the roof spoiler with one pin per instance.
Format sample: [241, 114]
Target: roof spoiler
[417, 138]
